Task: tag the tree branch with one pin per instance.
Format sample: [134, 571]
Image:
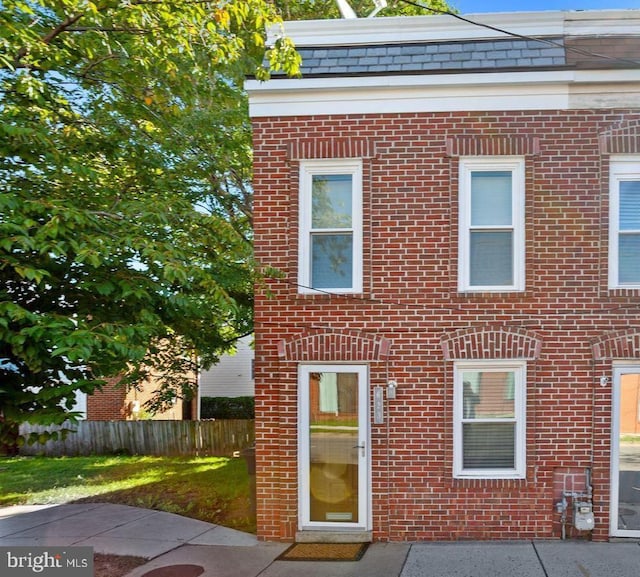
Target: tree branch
[103, 29]
[59, 29]
[97, 62]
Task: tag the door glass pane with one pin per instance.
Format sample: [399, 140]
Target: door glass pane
[331, 201]
[491, 198]
[629, 454]
[332, 261]
[491, 258]
[333, 450]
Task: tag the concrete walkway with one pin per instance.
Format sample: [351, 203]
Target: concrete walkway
[213, 551]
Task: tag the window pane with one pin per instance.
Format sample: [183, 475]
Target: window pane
[491, 198]
[491, 258]
[630, 205]
[488, 395]
[629, 258]
[332, 261]
[488, 445]
[331, 201]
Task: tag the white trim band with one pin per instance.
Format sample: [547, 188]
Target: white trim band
[549, 90]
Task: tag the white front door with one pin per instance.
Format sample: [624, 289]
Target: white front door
[334, 447]
[625, 453]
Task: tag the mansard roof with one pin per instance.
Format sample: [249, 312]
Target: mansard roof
[427, 44]
[433, 57]
[555, 59]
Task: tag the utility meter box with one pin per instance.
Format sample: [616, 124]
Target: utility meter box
[583, 516]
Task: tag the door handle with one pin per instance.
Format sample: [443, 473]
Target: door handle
[360, 447]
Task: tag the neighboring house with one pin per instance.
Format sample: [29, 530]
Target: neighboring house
[452, 350]
[232, 376]
[115, 403]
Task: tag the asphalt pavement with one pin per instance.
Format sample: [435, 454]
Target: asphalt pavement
[177, 546]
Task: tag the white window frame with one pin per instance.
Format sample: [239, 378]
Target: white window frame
[519, 369]
[469, 165]
[308, 169]
[621, 168]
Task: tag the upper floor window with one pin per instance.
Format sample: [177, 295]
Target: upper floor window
[491, 236]
[330, 257]
[624, 222]
[489, 419]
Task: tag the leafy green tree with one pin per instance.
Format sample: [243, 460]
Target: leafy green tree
[125, 214]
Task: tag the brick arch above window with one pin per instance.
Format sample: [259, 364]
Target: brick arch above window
[622, 139]
[492, 146]
[491, 343]
[317, 148]
[622, 344]
[334, 346]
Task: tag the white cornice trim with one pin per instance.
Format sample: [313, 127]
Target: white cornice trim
[303, 85]
[601, 76]
[411, 94]
[402, 29]
[431, 93]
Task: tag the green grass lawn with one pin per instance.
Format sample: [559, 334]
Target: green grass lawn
[212, 489]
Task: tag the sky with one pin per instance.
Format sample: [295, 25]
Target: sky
[477, 6]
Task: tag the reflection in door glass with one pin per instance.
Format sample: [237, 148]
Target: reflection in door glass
[333, 451]
[629, 451]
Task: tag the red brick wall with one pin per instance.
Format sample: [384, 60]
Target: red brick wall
[410, 298]
[107, 404]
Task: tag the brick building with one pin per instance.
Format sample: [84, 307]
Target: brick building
[453, 349]
[116, 403]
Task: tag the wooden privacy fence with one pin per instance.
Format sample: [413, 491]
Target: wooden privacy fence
[221, 438]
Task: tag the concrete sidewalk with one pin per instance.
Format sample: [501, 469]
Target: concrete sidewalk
[213, 551]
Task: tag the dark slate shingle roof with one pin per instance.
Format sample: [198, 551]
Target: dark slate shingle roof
[432, 57]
